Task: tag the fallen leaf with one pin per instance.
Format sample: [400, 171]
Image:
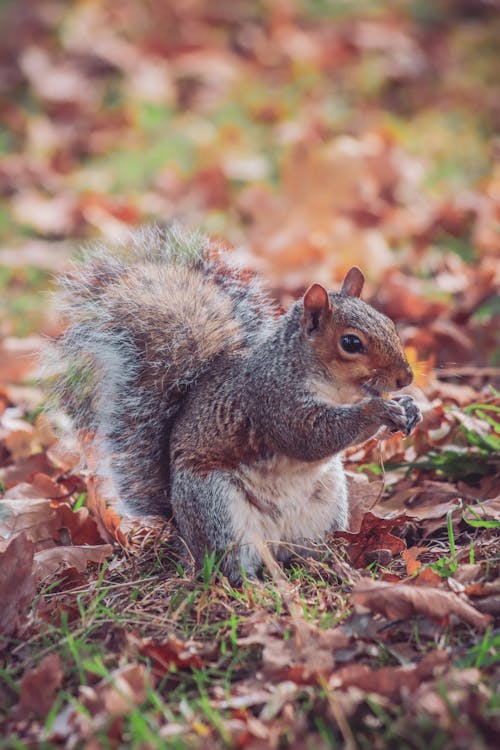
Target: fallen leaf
[41, 486]
[39, 687]
[35, 518]
[24, 470]
[485, 588]
[107, 519]
[402, 296]
[17, 584]
[427, 577]
[118, 694]
[390, 681]
[307, 654]
[429, 499]
[401, 601]
[172, 653]
[374, 536]
[82, 528]
[414, 567]
[486, 510]
[48, 561]
[466, 573]
[489, 605]
[51, 256]
[363, 496]
[21, 442]
[410, 556]
[124, 689]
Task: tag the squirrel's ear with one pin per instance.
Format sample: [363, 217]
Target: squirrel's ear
[317, 307]
[352, 286]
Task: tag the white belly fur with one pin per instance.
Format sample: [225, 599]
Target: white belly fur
[310, 499]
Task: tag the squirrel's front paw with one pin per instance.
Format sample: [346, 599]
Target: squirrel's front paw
[412, 412]
[392, 414]
[398, 414]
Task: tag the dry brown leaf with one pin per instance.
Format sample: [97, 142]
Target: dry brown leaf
[23, 439]
[307, 654]
[34, 517]
[374, 536]
[489, 605]
[107, 519]
[403, 297]
[41, 486]
[63, 457]
[21, 442]
[363, 496]
[389, 680]
[455, 688]
[484, 588]
[466, 573]
[460, 394]
[41, 519]
[414, 567]
[428, 499]
[39, 686]
[333, 195]
[124, 689]
[117, 695]
[173, 653]
[82, 528]
[24, 470]
[301, 660]
[401, 601]
[410, 556]
[427, 577]
[17, 584]
[48, 561]
[46, 214]
[50, 255]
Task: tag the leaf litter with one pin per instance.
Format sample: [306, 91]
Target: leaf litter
[310, 143]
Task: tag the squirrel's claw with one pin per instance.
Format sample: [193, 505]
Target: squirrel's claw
[412, 413]
[400, 414]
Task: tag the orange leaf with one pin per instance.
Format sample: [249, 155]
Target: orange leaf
[410, 557]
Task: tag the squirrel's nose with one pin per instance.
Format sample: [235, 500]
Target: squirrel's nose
[404, 378]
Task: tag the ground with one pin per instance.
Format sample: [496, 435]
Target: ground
[304, 136]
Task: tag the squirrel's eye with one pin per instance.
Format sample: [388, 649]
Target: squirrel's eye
[351, 344]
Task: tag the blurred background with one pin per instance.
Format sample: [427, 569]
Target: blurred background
[307, 134]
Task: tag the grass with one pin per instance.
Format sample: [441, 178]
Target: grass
[98, 627]
[97, 621]
[447, 565]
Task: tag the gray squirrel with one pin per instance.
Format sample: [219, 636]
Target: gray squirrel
[209, 404]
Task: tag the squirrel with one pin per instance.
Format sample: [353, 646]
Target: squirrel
[211, 404]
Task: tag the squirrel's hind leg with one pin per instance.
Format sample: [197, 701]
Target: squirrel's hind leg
[206, 512]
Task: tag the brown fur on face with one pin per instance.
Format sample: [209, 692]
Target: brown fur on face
[380, 366]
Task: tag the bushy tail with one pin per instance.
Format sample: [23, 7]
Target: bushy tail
[144, 323]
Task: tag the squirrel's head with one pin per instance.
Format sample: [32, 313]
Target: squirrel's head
[358, 347]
